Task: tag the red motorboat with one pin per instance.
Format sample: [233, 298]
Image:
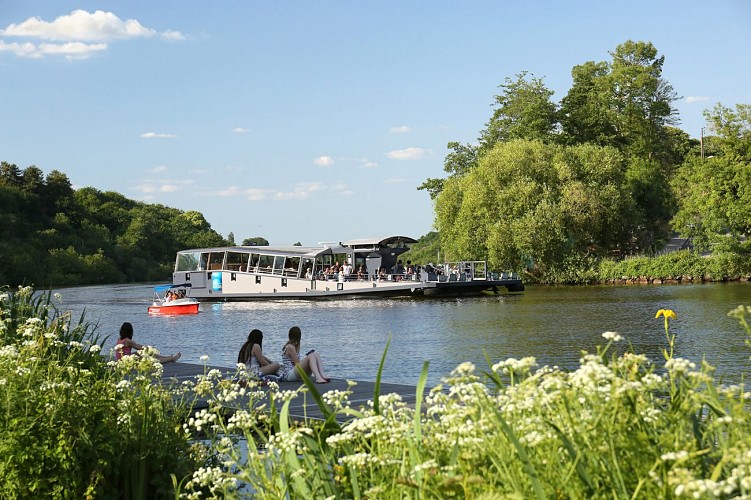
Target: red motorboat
[170, 300]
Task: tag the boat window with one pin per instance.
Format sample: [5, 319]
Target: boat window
[279, 264]
[237, 261]
[253, 268]
[188, 261]
[291, 266]
[308, 268]
[265, 264]
[216, 260]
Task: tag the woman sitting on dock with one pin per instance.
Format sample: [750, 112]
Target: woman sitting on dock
[126, 345]
[292, 364]
[251, 354]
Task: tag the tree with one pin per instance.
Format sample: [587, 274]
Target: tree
[733, 128]
[625, 103]
[524, 111]
[461, 160]
[533, 205]
[256, 241]
[714, 193]
[585, 111]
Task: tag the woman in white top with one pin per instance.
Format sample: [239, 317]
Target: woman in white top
[292, 364]
[251, 354]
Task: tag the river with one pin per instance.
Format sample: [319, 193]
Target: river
[553, 324]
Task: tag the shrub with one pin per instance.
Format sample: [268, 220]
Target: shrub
[73, 425]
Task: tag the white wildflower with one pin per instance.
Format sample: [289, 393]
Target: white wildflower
[612, 336]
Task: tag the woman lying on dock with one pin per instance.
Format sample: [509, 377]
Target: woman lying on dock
[252, 355]
[126, 345]
[292, 364]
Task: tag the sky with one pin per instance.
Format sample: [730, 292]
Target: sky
[315, 121]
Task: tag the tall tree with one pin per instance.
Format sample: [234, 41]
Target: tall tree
[625, 103]
[714, 193]
[524, 111]
[530, 204]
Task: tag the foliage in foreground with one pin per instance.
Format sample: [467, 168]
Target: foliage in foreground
[619, 426]
[74, 426]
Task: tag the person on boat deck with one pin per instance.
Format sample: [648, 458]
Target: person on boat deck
[308, 273]
[251, 354]
[292, 364]
[126, 345]
[361, 273]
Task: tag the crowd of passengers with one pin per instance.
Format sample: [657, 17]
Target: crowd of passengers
[346, 272]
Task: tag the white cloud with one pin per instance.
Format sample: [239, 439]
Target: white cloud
[80, 25]
[301, 191]
[82, 33]
[173, 36]
[695, 98]
[394, 180]
[162, 186]
[240, 130]
[154, 135]
[402, 129]
[365, 163]
[342, 189]
[324, 161]
[70, 50]
[408, 154]
[157, 170]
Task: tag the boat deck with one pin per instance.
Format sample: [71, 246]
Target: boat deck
[301, 407]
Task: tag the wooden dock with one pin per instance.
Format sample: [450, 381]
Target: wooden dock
[301, 407]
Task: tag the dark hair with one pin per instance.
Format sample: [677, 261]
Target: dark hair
[126, 331]
[294, 338]
[254, 337]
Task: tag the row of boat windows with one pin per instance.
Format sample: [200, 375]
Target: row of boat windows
[285, 265]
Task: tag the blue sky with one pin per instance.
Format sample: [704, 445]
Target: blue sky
[314, 120]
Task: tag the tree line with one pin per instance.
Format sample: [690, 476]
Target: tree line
[55, 235]
[552, 187]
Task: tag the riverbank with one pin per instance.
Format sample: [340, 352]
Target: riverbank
[682, 266]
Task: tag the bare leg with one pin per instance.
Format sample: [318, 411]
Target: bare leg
[168, 359]
[316, 366]
[270, 368]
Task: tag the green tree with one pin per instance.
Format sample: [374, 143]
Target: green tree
[256, 241]
[734, 129]
[625, 103]
[524, 111]
[461, 159]
[532, 205]
[714, 193]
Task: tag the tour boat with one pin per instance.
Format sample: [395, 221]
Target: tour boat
[362, 267]
[172, 300]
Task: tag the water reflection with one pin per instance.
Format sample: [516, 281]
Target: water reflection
[554, 324]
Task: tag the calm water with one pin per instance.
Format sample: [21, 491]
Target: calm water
[554, 324]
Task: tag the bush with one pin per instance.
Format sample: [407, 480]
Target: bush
[73, 425]
[680, 265]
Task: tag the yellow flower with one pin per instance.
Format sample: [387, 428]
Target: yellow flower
[667, 313]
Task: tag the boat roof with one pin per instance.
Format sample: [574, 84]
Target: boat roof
[312, 251]
[379, 242]
[164, 288]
